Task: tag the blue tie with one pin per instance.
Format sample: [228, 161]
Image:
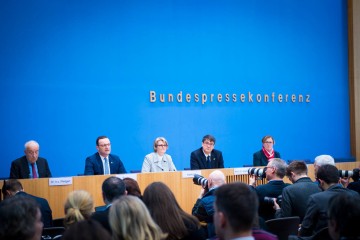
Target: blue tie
[107, 171]
[208, 162]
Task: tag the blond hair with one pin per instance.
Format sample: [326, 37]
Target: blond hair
[78, 206]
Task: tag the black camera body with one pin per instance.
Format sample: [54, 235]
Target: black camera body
[258, 172]
[200, 180]
[354, 174]
[270, 200]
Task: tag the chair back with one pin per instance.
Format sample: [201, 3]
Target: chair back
[52, 232]
[283, 227]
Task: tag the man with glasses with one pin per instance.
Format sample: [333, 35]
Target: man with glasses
[102, 162]
[206, 157]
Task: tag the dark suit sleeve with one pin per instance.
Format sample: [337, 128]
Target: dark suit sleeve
[309, 221]
[15, 171]
[89, 167]
[47, 170]
[199, 211]
[221, 160]
[256, 159]
[194, 164]
[46, 214]
[121, 167]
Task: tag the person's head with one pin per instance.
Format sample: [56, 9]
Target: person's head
[275, 169]
[327, 175]
[130, 219]
[208, 143]
[31, 151]
[113, 188]
[11, 187]
[78, 206]
[160, 145]
[216, 179]
[20, 218]
[268, 142]
[296, 170]
[162, 203]
[103, 146]
[132, 187]
[86, 230]
[344, 216]
[322, 160]
[236, 208]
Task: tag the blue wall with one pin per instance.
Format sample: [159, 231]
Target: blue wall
[73, 70]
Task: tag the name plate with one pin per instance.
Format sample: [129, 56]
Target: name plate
[241, 171]
[60, 181]
[190, 174]
[127, 175]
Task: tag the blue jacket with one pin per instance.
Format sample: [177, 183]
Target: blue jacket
[94, 165]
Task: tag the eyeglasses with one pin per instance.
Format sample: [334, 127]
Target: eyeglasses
[209, 143]
[161, 145]
[105, 145]
[268, 142]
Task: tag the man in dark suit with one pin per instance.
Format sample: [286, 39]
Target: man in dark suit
[206, 157]
[102, 162]
[316, 216]
[30, 165]
[112, 189]
[13, 187]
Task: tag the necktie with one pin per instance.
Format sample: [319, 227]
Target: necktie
[208, 162]
[34, 174]
[107, 171]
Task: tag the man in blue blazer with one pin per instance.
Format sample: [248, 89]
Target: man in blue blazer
[206, 157]
[102, 162]
[30, 165]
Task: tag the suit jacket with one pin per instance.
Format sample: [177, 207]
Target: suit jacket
[271, 189]
[295, 198]
[46, 213]
[153, 164]
[355, 186]
[317, 207]
[94, 165]
[198, 159]
[103, 218]
[20, 168]
[259, 158]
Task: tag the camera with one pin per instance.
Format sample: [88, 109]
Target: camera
[200, 180]
[258, 172]
[354, 174]
[270, 200]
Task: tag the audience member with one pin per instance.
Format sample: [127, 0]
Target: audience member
[132, 187]
[262, 157]
[30, 165]
[167, 213]
[275, 172]
[204, 206]
[112, 189]
[316, 214]
[86, 230]
[235, 210]
[296, 196]
[130, 219]
[102, 162]
[158, 161]
[78, 206]
[20, 218]
[322, 160]
[13, 187]
[344, 217]
[206, 157]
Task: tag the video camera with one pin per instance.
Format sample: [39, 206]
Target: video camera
[354, 174]
[200, 180]
[258, 172]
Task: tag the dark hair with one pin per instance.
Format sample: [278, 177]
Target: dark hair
[100, 137]
[344, 209]
[18, 217]
[12, 185]
[328, 173]
[132, 187]
[266, 137]
[298, 167]
[112, 188]
[86, 230]
[238, 203]
[166, 211]
[209, 137]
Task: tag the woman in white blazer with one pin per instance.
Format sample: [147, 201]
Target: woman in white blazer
[158, 161]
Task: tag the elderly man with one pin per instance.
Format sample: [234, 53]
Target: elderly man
[204, 206]
[30, 165]
[322, 160]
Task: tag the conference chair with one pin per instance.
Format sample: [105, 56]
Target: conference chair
[283, 227]
[52, 232]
